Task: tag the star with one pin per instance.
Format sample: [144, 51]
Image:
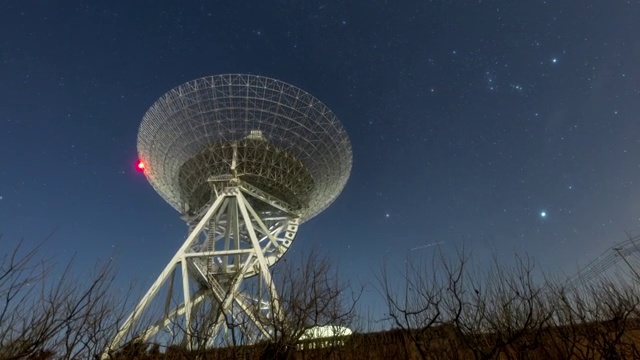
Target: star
[554, 60]
[543, 214]
[387, 215]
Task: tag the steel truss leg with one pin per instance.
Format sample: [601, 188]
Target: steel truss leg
[217, 274]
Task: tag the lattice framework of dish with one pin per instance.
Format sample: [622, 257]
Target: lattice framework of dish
[286, 143]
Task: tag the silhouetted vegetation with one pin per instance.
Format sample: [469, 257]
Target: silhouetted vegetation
[444, 308]
[55, 314]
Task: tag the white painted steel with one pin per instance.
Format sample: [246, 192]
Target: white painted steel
[245, 159]
[231, 107]
[201, 263]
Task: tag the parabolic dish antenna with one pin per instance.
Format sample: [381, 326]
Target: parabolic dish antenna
[245, 159]
[288, 142]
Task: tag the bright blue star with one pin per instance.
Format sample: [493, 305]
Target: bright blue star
[543, 214]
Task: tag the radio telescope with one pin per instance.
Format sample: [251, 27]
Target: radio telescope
[245, 160]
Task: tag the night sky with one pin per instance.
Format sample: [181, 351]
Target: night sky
[502, 126]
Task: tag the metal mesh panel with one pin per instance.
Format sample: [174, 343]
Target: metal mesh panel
[289, 143]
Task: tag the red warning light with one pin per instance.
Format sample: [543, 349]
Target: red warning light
[140, 166]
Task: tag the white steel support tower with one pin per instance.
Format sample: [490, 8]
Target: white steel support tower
[227, 244]
[245, 160]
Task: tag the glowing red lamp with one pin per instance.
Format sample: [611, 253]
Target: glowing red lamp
[140, 165]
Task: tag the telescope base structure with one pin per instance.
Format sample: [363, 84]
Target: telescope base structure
[227, 296]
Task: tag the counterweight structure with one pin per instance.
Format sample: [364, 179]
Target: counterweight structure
[245, 160]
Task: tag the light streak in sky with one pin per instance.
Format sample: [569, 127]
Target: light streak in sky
[428, 245]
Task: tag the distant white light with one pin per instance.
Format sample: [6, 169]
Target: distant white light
[554, 60]
[387, 215]
[324, 336]
[543, 214]
[319, 332]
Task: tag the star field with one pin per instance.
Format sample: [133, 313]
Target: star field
[499, 125]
